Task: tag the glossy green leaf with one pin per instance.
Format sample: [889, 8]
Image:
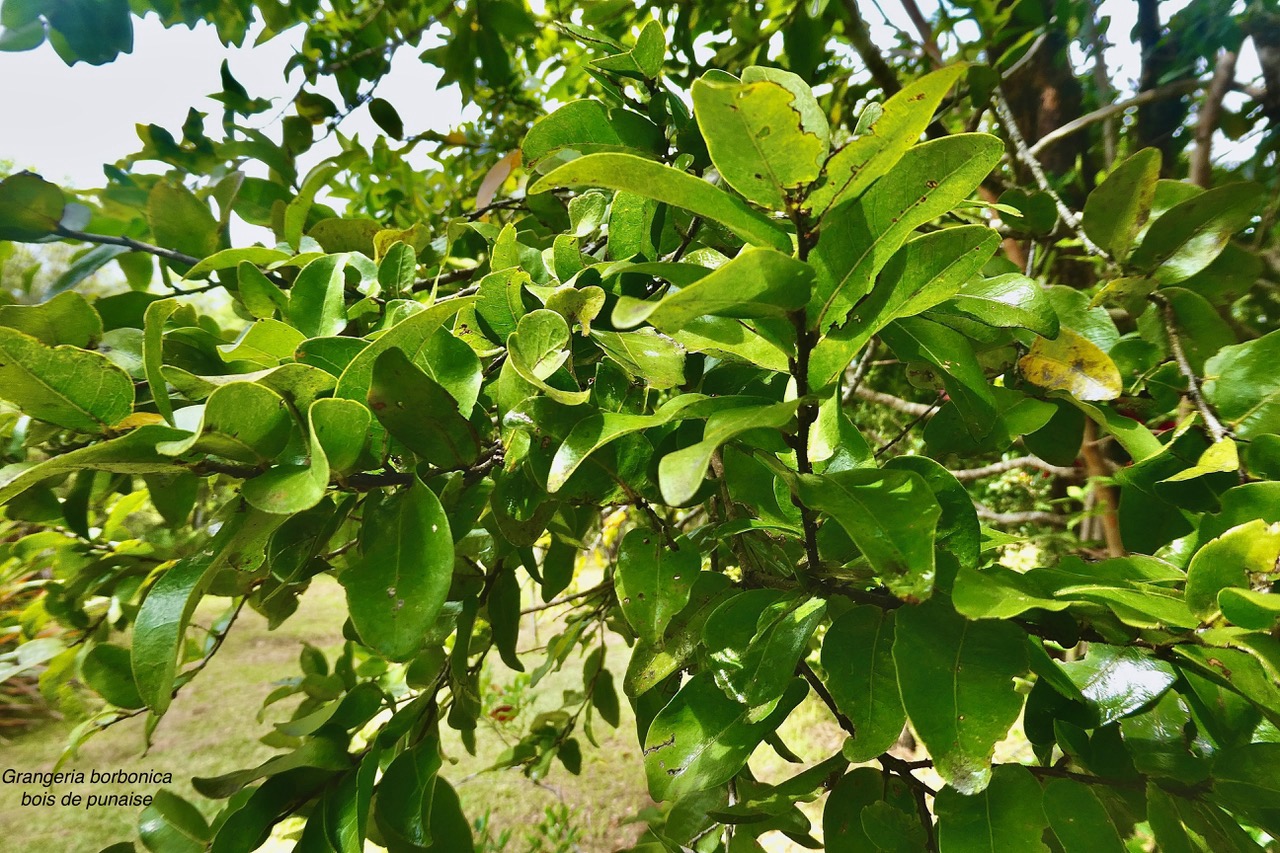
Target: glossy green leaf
[260, 296]
[399, 583]
[754, 641]
[1006, 815]
[537, 351]
[857, 655]
[1118, 208]
[1248, 608]
[653, 580]
[341, 427]
[1010, 300]
[923, 273]
[1233, 559]
[30, 207]
[316, 304]
[892, 517]
[67, 318]
[878, 148]
[915, 339]
[70, 387]
[418, 411]
[1195, 231]
[761, 138]
[161, 623]
[1117, 681]
[107, 671]
[665, 184]
[653, 662]
[1079, 819]
[298, 481]
[1242, 385]
[703, 738]
[843, 830]
[680, 474]
[170, 824]
[859, 238]
[181, 221]
[956, 681]
[757, 283]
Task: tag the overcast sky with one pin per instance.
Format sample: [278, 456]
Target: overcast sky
[64, 122]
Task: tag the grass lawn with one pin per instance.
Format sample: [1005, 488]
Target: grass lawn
[210, 730]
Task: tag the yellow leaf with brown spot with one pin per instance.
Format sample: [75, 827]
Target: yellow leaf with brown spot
[1073, 364]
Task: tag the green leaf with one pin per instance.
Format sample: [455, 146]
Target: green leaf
[170, 824]
[1257, 611]
[157, 314]
[645, 355]
[386, 117]
[680, 474]
[298, 482]
[70, 387]
[703, 738]
[956, 680]
[400, 581]
[243, 421]
[1073, 364]
[406, 792]
[653, 581]
[587, 127]
[1244, 388]
[316, 304]
[1231, 560]
[1006, 816]
[1118, 208]
[132, 453]
[1004, 301]
[31, 208]
[860, 237]
[757, 283]
[419, 412]
[181, 221]
[653, 662]
[926, 271]
[879, 147]
[755, 639]
[1195, 231]
[891, 516]
[762, 139]
[665, 184]
[258, 294]
[857, 791]
[857, 655]
[644, 61]
[254, 256]
[341, 427]
[501, 301]
[537, 351]
[1079, 819]
[106, 669]
[324, 752]
[67, 318]
[915, 339]
[161, 623]
[733, 340]
[1117, 681]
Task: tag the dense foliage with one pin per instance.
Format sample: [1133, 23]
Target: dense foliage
[644, 328]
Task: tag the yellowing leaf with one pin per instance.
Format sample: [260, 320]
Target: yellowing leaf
[1073, 364]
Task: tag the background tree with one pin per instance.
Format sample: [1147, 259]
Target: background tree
[743, 314]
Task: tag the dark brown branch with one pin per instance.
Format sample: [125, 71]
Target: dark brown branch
[921, 24]
[855, 29]
[128, 243]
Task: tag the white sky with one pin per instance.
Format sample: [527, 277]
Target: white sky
[64, 122]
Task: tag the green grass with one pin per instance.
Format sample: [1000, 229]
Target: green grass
[211, 730]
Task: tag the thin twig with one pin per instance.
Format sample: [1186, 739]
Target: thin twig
[1013, 464]
[128, 243]
[912, 425]
[595, 590]
[907, 407]
[1160, 93]
[1193, 382]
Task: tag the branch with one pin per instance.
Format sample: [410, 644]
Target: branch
[1012, 464]
[595, 590]
[1224, 73]
[926, 32]
[1193, 382]
[856, 30]
[907, 407]
[1032, 517]
[128, 243]
[1027, 156]
[1160, 93]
